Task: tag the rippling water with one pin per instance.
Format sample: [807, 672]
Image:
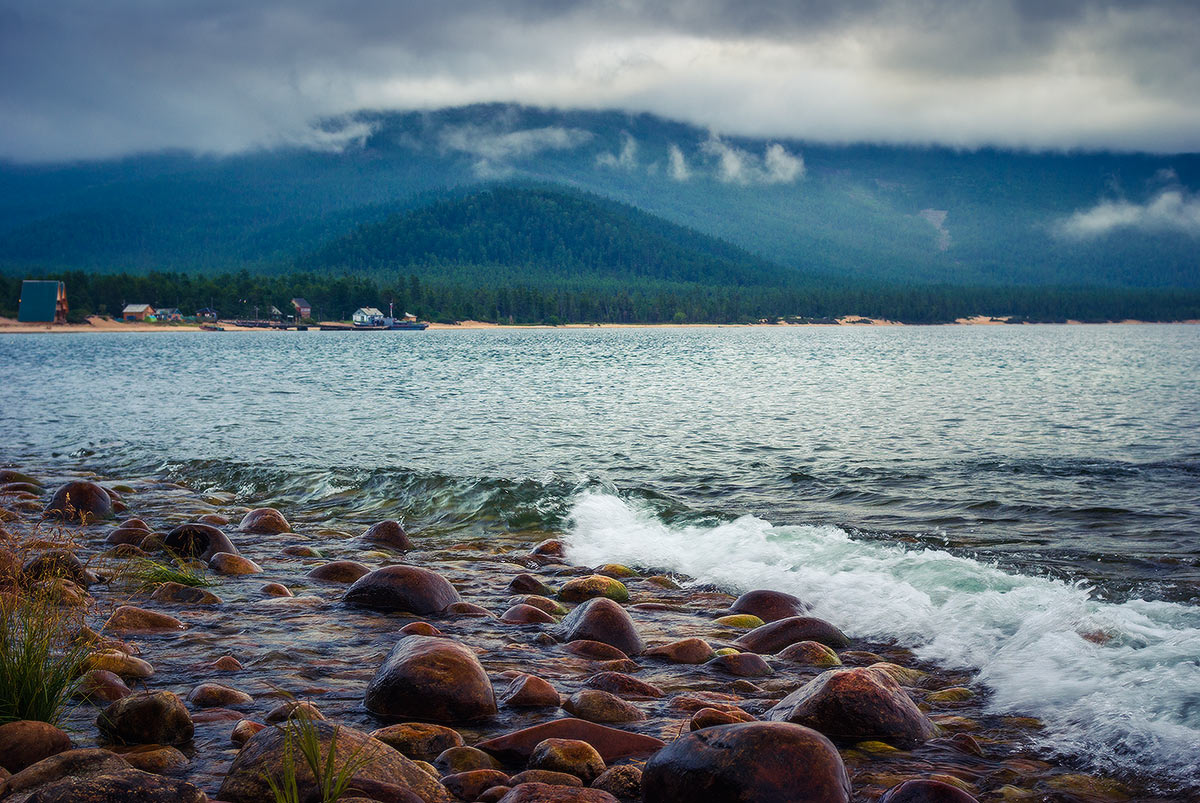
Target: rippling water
[990, 494]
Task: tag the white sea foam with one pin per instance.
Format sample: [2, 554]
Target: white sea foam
[1131, 703]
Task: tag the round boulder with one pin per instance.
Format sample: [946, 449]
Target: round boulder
[856, 705]
[196, 540]
[684, 651]
[572, 756]
[80, 501]
[147, 718]
[926, 791]
[765, 762]
[431, 678]
[596, 585]
[26, 742]
[742, 665]
[529, 691]
[810, 653]
[402, 588]
[264, 521]
[389, 534]
[419, 740]
[774, 636]
[340, 571]
[602, 620]
[555, 793]
[769, 606]
[600, 706]
[94, 776]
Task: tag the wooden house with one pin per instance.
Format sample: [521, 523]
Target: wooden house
[303, 309]
[137, 312]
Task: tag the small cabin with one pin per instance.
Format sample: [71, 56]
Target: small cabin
[42, 302]
[303, 308]
[169, 314]
[137, 312]
[410, 318]
[206, 314]
[367, 316]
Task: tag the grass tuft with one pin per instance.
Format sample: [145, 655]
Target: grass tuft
[147, 573]
[41, 656]
[301, 734]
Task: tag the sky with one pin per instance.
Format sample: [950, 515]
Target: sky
[82, 80]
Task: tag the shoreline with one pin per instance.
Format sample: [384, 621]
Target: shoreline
[277, 628]
[97, 325]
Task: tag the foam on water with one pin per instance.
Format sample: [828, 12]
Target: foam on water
[1131, 703]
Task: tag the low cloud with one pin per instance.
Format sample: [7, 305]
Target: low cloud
[737, 166]
[626, 159]
[1173, 209]
[501, 146]
[937, 219]
[677, 166]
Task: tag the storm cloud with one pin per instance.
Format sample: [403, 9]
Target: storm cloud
[80, 79]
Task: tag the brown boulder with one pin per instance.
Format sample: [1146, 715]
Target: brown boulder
[184, 595]
[213, 695]
[228, 563]
[264, 754]
[596, 585]
[419, 740]
[125, 534]
[572, 756]
[94, 776]
[387, 533]
[525, 615]
[596, 650]
[264, 521]
[470, 784]
[243, 730]
[80, 501]
[545, 776]
[550, 548]
[810, 653]
[201, 541]
[743, 665]
[855, 705]
[527, 584]
[431, 678]
[769, 606]
[340, 571]
[420, 629]
[227, 663]
[25, 742]
[155, 758]
[56, 563]
[624, 782]
[602, 620]
[684, 651]
[610, 743]
[458, 759]
[529, 691]
[552, 793]
[926, 791]
[773, 637]
[128, 619]
[293, 709]
[600, 706]
[100, 685]
[710, 717]
[625, 686]
[402, 588]
[147, 718]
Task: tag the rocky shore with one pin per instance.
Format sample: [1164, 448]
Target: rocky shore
[484, 670]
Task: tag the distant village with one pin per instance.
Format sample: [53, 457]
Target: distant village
[46, 302]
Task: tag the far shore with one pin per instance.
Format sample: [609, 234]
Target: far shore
[98, 324]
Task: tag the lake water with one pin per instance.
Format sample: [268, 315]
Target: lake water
[989, 495]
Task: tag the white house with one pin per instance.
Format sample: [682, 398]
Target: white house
[367, 316]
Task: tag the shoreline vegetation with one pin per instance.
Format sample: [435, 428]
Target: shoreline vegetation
[236, 655]
[98, 324]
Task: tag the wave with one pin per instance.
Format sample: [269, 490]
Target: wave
[1130, 703]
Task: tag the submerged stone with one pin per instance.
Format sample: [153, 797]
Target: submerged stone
[431, 678]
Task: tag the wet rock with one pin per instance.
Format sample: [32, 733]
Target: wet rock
[293, 709]
[340, 571]
[228, 563]
[545, 776]
[528, 584]
[215, 519]
[56, 563]
[119, 663]
[605, 621]
[859, 658]
[212, 695]
[773, 637]
[610, 743]
[597, 650]
[624, 782]
[263, 756]
[769, 606]
[184, 595]
[194, 540]
[493, 795]
[765, 762]
[957, 694]
[13, 475]
[617, 570]
[420, 629]
[525, 615]
[134, 536]
[684, 651]
[388, 533]
[155, 758]
[402, 588]
[102, 686]
[147, 718]
[550, 548]
[593, 586]
[743, 665]
[926, 791]
[541, 603]
[809, 653]
[419, 740]
[128, 619]
[742, 621]
[550, 793]
[470, 784]
[430, 678]
[901, 674]
[624, 686]
[276, 590]
[94, 776]
[466, 609]
[458, 759]
[529, 691]
[301, 551]
[572, 756]
[25, 742]
[80, 501]
[243, 730]
[855, 705]
[264, 521]
[711, 717]
[227, 663]
[600, 706]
